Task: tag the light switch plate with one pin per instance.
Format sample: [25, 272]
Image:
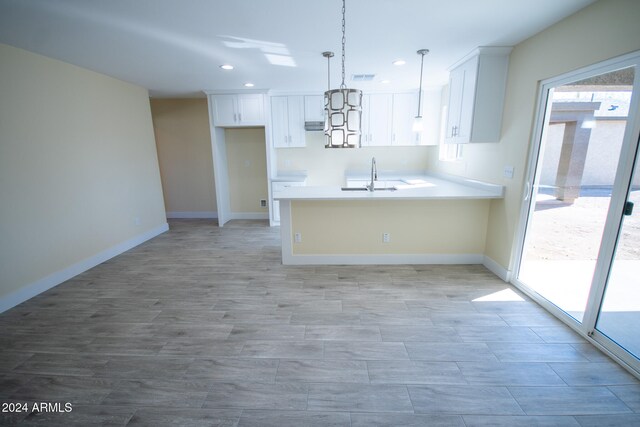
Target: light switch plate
[508, 172]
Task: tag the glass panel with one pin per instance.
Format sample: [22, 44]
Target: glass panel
[354, 98]
[337, 119]
[337, 100]
[579, 155]
[353, 120]
[619, 316]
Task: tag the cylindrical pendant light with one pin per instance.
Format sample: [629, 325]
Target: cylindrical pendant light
[343, 108]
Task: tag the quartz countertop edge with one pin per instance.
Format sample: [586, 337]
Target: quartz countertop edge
[436, 187]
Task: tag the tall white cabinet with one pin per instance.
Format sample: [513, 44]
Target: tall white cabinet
[477, 86]
[232, 110]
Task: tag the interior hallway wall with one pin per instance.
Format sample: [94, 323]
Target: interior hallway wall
[79, 179]
[183, 141]
[247, 166]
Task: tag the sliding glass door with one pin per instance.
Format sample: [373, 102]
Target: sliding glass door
[578, 256]
[619, 316]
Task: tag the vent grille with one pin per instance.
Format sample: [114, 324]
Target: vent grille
[362, 77]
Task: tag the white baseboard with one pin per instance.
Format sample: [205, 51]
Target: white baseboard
[386, 259]
[195, 214]
[48, 282]
[497, 269]
[248, 215]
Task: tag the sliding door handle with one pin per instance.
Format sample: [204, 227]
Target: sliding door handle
[628, 208]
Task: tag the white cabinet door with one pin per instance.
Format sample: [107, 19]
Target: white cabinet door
[456, 86]
[250, 109]
[380, 108]
[279, 121]
[469, 69]
[296, 121]
[224, 110]
[314, 108]
[405, 108]
[476, 97]
[287, 121]
[238, 110]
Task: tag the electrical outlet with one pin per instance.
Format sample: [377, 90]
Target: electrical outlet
[297, 237]
[386, 238]
[263, 203]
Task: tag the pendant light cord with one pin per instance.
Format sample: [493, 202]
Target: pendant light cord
[420, 91]
[344, 40]
[328, 71]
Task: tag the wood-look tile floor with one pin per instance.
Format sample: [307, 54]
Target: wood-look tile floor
[204, 326]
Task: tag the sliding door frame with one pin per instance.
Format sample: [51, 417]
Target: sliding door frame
[619, 196]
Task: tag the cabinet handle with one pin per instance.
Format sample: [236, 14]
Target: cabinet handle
[235, 117]
[285, 139]
[239, 117]
[393, 138]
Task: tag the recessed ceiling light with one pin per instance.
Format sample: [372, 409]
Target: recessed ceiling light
[399, 62]
[226, 67]
[249, 85]
[385, 81]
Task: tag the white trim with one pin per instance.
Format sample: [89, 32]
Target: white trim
[192, 214]
[496, 269]
[482, 50]
[286, 232]
[381, 259]
[247, 215]
[29, 291]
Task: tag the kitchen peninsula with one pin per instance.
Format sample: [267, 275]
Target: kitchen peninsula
[426, 219]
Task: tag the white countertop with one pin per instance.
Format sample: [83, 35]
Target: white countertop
[423, 187]
[290, 176]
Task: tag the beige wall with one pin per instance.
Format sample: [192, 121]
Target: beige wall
[78, 166]
[604, 30]
[183, 140]
[327, 166]
[415, 227]
[247, 165]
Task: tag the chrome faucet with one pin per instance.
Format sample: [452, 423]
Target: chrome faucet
[374, 175]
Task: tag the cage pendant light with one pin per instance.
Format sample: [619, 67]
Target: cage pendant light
[343, 109]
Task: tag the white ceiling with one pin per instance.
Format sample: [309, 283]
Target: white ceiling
[175, 47]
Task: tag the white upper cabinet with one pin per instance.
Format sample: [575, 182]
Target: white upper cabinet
[376, 119]
[405, 109]
[314, 108]
[287, 121]
[477, 86]
[238, 110]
